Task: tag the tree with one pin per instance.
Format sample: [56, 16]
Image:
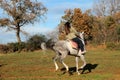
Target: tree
[80, 21]
[106, 21]
[68, 15]
[117, 21]
[61, 33]
[106, 7]
[19, 13]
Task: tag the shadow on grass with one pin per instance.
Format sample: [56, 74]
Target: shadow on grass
[1, 65]
[87, 69]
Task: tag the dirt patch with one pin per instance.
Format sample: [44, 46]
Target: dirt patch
[1, 54]
[116, 77]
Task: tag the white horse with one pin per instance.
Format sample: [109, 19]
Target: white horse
[64, 48]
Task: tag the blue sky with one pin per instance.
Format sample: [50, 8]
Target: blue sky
[56, 10]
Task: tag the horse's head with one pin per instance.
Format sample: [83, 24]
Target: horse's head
[81, 35]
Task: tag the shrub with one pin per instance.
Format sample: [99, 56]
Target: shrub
[13, 47]
[117, 46]
[50, 43]
[113, 46]
[4, 48]
[110, 45]
[34, 42]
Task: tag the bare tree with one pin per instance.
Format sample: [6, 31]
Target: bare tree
[99, 7]
[106, 7]
[107, 23]
[53, 35]
[113, 6]
[19, 13]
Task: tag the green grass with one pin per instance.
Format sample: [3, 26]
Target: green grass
[39, 66]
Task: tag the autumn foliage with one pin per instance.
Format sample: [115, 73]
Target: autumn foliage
[98, 29]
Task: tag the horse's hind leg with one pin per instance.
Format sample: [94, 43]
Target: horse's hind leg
[65, 65]
[61, 59]
[54, 59]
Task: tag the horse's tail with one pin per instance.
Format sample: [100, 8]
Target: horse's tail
[52, 47]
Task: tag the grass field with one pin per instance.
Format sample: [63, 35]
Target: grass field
[38, 65]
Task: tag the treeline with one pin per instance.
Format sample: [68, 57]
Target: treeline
[101, 23]
[33, 43]
[99, 29]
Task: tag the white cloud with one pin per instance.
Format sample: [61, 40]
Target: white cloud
[37, 29]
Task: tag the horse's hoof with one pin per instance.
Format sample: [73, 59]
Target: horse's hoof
[56, 69]
[81, 67]
[67, 70]
[78, 73]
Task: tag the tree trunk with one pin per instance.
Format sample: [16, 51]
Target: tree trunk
[18, 34]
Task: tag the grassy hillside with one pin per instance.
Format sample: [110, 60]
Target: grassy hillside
[38, 65]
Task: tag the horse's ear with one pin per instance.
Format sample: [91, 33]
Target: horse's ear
[83, 32]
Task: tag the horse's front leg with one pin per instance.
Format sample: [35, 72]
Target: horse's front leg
[77, 60]
[84, 61]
